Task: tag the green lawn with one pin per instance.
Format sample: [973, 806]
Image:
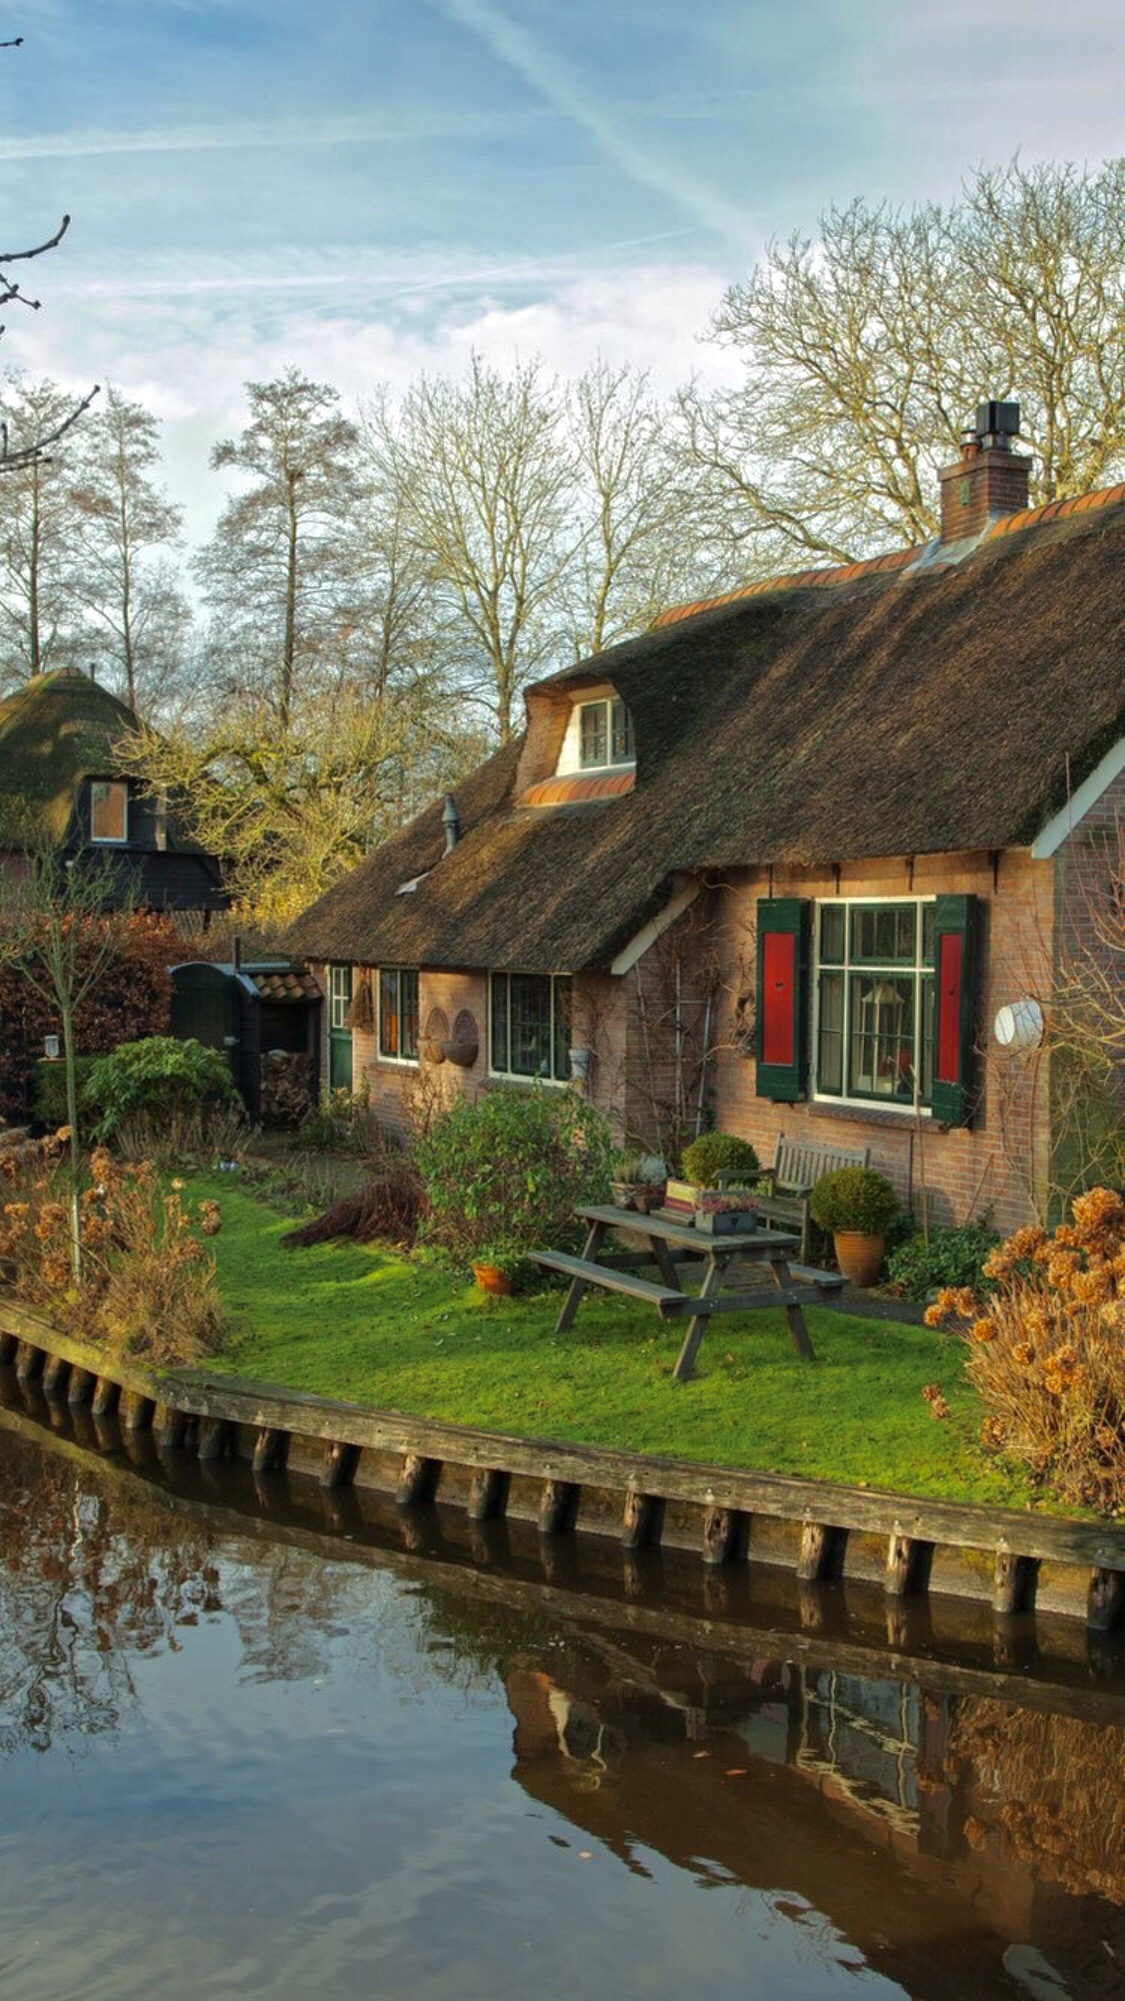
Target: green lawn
[399, 1332]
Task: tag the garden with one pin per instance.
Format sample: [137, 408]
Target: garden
[177, 1240]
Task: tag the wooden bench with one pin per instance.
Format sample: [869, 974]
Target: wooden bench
[797, 1167]
[667, 1303]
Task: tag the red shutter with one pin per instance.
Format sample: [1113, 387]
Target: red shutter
[781, 1022]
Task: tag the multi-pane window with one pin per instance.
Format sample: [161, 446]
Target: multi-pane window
[605, 734]
[109, 809]
[875, 1001]
[398, 1013]
[530, 1026]
[339, 996]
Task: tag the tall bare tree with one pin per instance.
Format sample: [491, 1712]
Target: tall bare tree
[121, 516]
[39, 621]
[485, 483]
[868, 346]
[277, 572]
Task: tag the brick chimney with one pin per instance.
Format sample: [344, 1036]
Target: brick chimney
[989, 479]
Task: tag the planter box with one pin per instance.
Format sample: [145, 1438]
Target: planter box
[726, 1222]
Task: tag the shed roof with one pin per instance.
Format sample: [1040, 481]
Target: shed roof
[893, 708]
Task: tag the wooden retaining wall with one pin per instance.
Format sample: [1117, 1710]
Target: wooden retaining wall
[819, 1530]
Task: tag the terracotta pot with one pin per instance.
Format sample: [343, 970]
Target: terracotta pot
[490, 1278]
[859, 1256]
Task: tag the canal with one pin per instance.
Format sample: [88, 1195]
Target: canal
[274, 1743]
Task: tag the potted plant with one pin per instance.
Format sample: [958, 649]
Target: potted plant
[718, 1211]
[855, 1204]
[496, 1267]
[638, 1181]
[715, 1154]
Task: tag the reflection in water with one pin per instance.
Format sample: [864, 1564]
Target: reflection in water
[358, 1777]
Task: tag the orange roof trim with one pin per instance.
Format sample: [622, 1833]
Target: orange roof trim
[569, 791]
[897, 559]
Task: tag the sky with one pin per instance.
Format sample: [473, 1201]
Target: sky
[370, 188]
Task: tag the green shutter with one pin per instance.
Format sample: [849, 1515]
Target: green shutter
[781, 1033]
[955, 956]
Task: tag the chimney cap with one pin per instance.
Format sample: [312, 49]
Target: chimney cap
[998, 420]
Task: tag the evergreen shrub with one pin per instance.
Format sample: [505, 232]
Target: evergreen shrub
[719, 1153]
[512, 1168]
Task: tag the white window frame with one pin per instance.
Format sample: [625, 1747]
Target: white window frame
[609, 762]
[340, 986]
[913, 1107]
[110, 840]
[522, 1076]
[397, 1062]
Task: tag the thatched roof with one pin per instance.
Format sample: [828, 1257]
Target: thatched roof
[54, 731]
[894, 712]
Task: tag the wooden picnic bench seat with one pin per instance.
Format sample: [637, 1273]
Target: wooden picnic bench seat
[668, 1304]
[797, 1167]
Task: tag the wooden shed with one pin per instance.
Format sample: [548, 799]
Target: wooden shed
[266, 1014]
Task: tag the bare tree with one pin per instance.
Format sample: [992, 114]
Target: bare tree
[120, 515]
[39, 622]
[637, 551]
[62, 931]
[868, 346]
[486, 483]
[277, 572]
[18, 454]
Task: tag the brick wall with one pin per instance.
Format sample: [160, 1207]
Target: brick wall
[1089, 1103]
[1002, 1161]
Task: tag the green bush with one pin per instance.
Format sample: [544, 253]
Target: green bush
[713, 1154]
[953, 1257]
[49, 1091]
[343, 1122]
[853, 1198]
[511, 1169]
[157, 1079]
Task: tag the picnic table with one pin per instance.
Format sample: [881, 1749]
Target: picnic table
[670, 1241]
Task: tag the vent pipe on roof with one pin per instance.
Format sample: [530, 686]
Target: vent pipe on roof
[451, 821]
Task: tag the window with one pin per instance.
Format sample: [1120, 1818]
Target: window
[109, 809]
[605, 734]
[874, 1034]
[339, 996]
[530, 1026]
[398, 1013]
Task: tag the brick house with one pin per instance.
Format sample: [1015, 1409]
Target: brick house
[61, 783]
[779, 864]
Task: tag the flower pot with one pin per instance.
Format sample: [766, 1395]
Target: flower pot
[859, 1256]
[626, 1194]
[490, 1278]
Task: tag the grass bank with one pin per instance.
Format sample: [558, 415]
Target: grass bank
[362, 1322]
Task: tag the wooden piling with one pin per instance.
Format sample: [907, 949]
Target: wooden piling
[106, 1396]
[218, 1439]
[271, 1450]
[340, 1462]
[908, 1564]
[1105, 1600]
[80, 1389]
[1013, 1583]
[29, 1363]
[8, 1345]
[642, 1520]
[558, 1506]
[134, 1411]
[726, 1535]
[418, 1480]
[822, 1552]
[56, 1375]
[488, 1494]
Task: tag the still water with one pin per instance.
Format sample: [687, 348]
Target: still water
[233, 1765]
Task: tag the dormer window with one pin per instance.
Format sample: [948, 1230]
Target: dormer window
[109, 809]
[605, 734]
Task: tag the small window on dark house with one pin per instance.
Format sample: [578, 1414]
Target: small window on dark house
[109, 809]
